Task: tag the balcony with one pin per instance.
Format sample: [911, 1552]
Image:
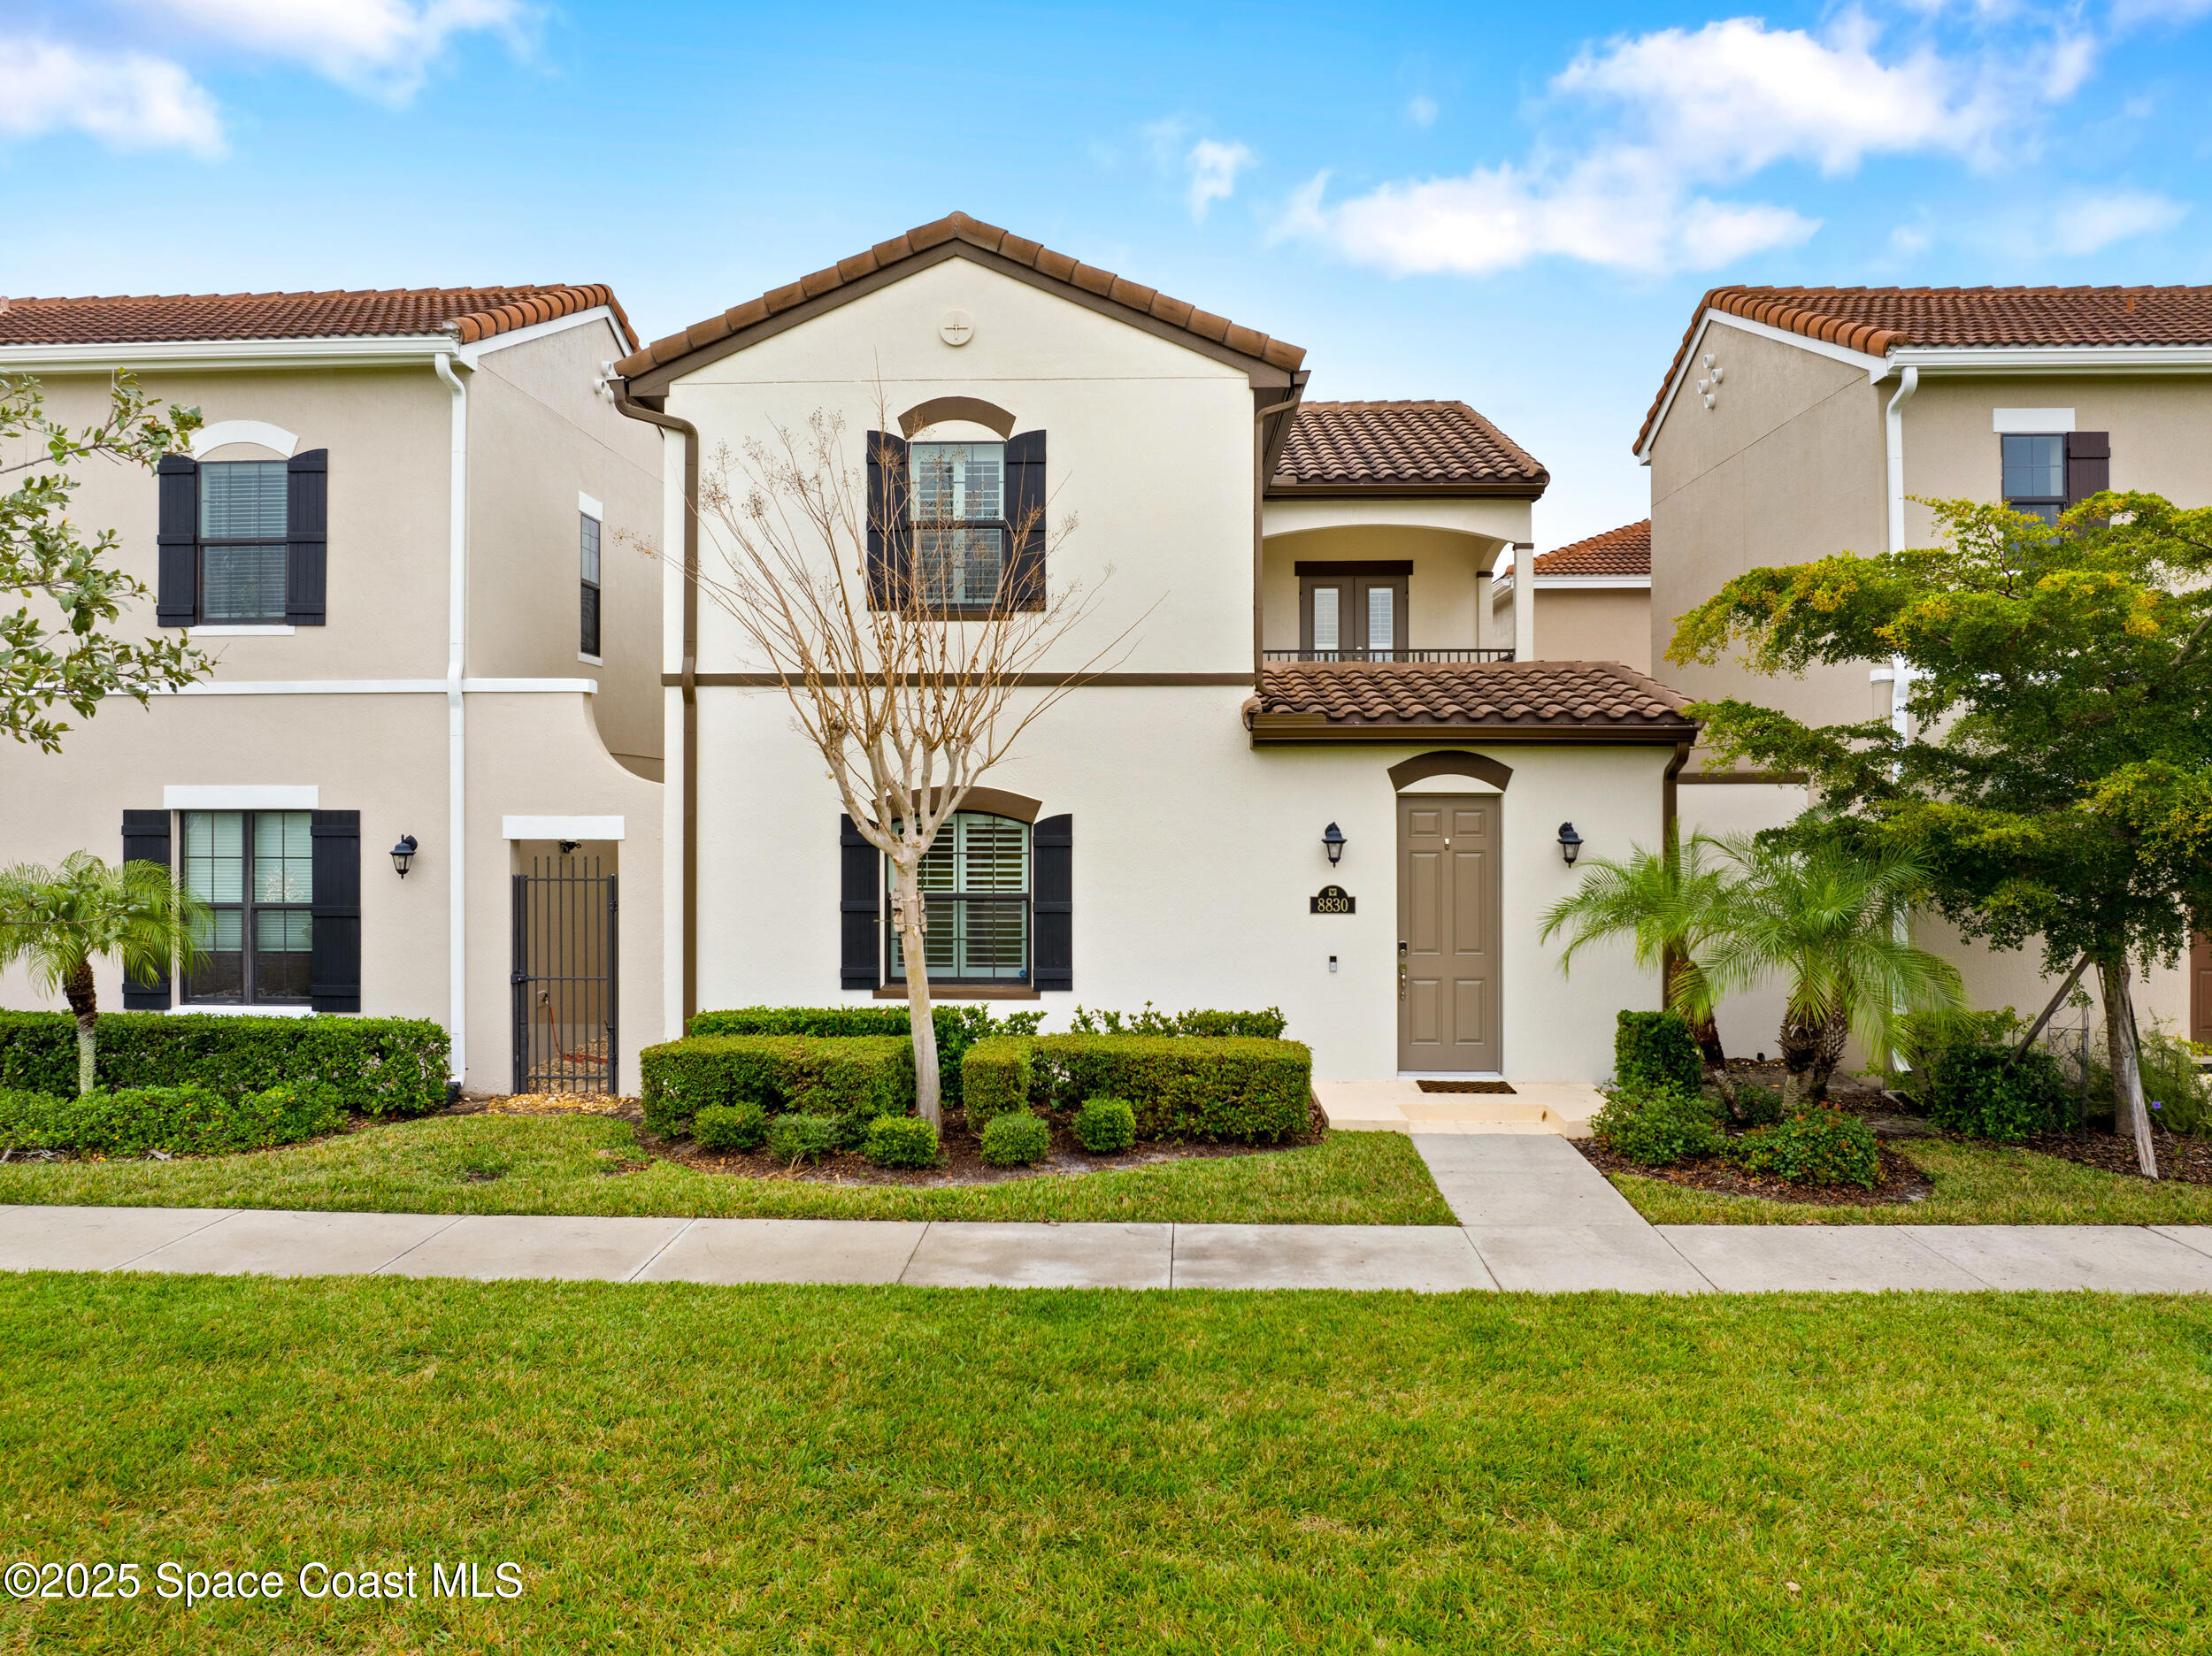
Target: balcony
[1387, 655]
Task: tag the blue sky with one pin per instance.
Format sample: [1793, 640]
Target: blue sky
[1514, 205]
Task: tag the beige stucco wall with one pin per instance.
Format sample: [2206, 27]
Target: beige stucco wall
[1787, 467]
[1441, 593]
[1584, 624]
[1194, 857]
[540, 434]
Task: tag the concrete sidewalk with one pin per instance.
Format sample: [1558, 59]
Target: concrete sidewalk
[1529, 1232]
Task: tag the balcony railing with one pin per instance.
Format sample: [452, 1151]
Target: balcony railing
[1388, 655]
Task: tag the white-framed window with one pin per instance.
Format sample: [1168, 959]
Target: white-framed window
[244, 511]
[959, 494]
[2035, 473]
[588, 597]
[976, 892]
[256, 869]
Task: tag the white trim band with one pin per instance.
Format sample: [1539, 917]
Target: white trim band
[590, 508]
[561, 827]
[387, 686]
[224, 433]
[226, 796]
[2031, 422]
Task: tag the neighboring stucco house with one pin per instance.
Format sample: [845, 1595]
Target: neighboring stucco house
[1305, 588]
[1797, 423]
[397, 534]
[1593, 598]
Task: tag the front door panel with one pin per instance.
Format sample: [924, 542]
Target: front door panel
[1448, 887]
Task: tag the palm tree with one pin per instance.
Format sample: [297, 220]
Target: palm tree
[1829, 921]
[57, 920]
[1670, 905]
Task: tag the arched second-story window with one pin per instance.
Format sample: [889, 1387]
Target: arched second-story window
[976, 890]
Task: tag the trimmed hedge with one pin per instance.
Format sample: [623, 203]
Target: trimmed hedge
[1263, 1025]
[730, 1126]
[1239, 1088]
[958, 1028]
[1656, 1049]
[1105, 1126]
[181, 1120]
[860, 1076]
[1656, 1126]
[1017, 1141]
[803, 1136]
[378, 1066]
[901, 1141]
[1979, 1091]
[1821, 1146]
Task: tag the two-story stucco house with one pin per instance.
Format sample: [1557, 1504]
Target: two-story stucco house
[1304, 586]
[1796, 422]
[396, 535]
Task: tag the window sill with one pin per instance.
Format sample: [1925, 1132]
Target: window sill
[229, 1008]
[965, 991]
[278, 630]
[591, 661]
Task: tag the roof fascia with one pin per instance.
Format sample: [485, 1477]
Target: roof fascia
[1875, 366]
[655, 381]
[2003, 359]
[1518, 490]
[472, 353]
[1310, 729]
[1503, 584]
[355, 352]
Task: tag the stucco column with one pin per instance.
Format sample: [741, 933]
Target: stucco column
[1524, 601]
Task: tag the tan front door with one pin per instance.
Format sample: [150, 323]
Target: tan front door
[2200, 989]
[1449, 943]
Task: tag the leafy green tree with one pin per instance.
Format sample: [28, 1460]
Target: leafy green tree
[61, 645]
[1824, 915]
[57, 920]
[2057, 784]
[1670, 904]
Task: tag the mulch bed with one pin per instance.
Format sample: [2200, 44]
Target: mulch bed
[2185, 1161]
[1901, 1181]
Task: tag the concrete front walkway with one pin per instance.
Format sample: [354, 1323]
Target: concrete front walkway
[1533, 1216]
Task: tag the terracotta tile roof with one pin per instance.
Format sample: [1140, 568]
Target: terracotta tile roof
[1369, 445]
[1877, 320]
[959, 227]
[1623, 551]
[467, 313]
[1509, 696]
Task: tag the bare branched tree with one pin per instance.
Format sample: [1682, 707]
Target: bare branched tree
[907, 616]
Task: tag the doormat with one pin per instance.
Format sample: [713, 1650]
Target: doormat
[1427, 1085]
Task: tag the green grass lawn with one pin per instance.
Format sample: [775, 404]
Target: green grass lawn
[1975, 1184]
[826, 1469]
[571, 1165]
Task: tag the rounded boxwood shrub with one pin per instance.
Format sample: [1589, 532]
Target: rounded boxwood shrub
[177, 1121]
[1017, 1141]
[902, 1141]
[730, 1127]
[1656, 1049]
[801, 1137]
[1656, 1126]
[1981, 1091]
[1104, 1125]
[1822, 1146]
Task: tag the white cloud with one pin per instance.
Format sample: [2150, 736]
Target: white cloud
[126, 100]
[1686, 113]
[385, 47]
[1213, 168]
[1421, 111]
[2087, 224]
[2128, 13]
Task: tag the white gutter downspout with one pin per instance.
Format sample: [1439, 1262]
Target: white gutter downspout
[1899, 672]
[455, 723]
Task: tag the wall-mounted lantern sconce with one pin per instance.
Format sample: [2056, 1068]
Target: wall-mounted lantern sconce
[568, 846]
[403, 854]
[1332, 842]
[1570, 842]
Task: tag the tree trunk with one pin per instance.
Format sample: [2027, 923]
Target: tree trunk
[1706, 1032]
[2127, 1073]
[84, 1001]
[908, 913]
[1800, 1040]
[1826, 1055]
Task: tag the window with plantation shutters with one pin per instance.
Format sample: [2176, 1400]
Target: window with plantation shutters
[975, 890]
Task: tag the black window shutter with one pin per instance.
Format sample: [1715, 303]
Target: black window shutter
[1052, 846]
[177, 537]
[146, 840]
[890, 528]
[307, 518]
[860, 884]
[2088, 465]
[334, 962]
[1026, 517]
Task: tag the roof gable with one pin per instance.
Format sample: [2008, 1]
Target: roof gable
[956, 235]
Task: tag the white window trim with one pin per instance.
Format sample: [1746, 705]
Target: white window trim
[561, 827]
[225, 1008]
[591, 661]
[277, 630]
[223, 432]
[591, 507]
[2045, 422]
[228, 796]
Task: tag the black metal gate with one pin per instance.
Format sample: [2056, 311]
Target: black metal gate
[564, 976]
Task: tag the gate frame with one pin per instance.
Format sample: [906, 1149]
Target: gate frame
[519, 980]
